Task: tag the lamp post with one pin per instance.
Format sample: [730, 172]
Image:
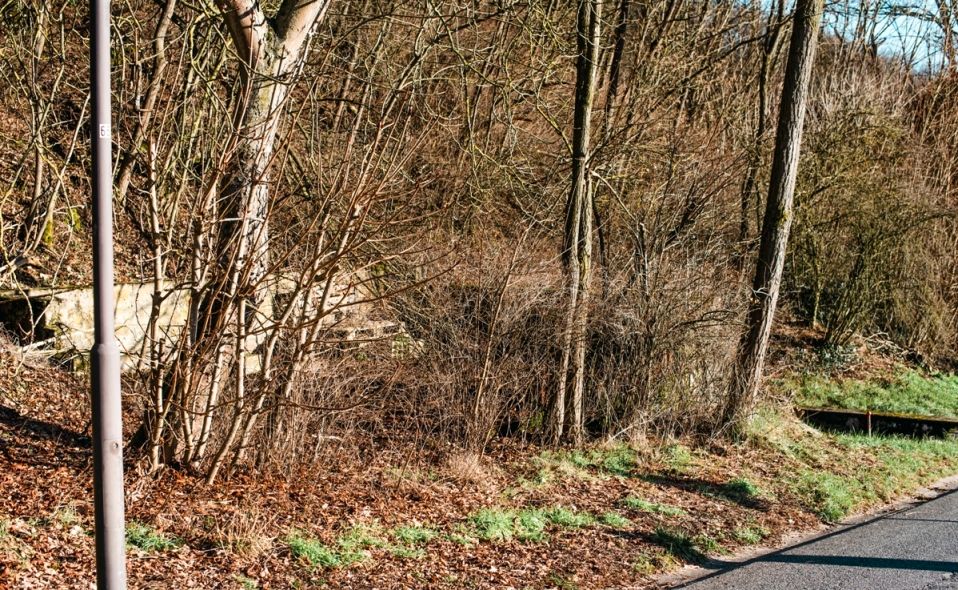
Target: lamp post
[105, 356]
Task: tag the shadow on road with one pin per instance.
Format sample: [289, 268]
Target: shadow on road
[785, 555]
[873, 562]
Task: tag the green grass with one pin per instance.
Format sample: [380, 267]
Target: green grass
[529, 525]
[903, 463]
[617, 460]
[351, 547]
[909, 392]
[642, 505]
[145, 538]
[356, 541]
[312, 551]
[783, 434]
[414, 534]
[615, 520]
[411, 541]
[567, 518]
[835, 475]
[742, 488]
[708, 544]
[493, 524]
[558, 465]
[678, 458]
[751, 534]
[829, 496]
[873, 470]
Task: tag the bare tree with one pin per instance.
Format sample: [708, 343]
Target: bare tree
[577, 246]
[747, 376]
[229, 287]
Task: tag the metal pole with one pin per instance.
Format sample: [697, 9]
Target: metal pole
[105, 356]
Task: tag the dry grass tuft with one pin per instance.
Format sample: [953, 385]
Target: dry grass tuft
[244, 531]
[466, 467]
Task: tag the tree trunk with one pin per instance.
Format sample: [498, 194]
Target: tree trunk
[747, 374]
[615, 63]
[577, 247]
[770, 47]
[245, 232]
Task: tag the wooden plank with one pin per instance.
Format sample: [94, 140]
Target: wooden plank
[878, 422]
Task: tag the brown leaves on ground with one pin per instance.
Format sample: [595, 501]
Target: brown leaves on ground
[233, 534]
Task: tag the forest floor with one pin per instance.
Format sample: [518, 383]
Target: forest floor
[519, 517]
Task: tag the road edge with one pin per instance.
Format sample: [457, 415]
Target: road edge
[691, 573]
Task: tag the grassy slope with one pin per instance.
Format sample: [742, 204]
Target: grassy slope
[907, 392]
[831, 476]
[834, 475]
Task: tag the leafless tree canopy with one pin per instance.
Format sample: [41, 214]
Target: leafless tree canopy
[459, 220]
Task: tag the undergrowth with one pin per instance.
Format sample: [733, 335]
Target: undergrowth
[830, 475]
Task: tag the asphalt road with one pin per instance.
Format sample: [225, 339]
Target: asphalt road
[913, 549]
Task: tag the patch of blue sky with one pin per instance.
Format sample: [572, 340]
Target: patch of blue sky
[907, 30]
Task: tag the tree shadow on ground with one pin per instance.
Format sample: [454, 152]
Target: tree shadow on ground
[869, 562]
[736, 491]
[676, 543]
[39, 443]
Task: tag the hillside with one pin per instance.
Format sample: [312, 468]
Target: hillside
[473, 293]
[394, 515]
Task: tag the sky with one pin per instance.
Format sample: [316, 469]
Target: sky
[903, 29]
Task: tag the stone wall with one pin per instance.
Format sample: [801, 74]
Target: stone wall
[59, 322]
